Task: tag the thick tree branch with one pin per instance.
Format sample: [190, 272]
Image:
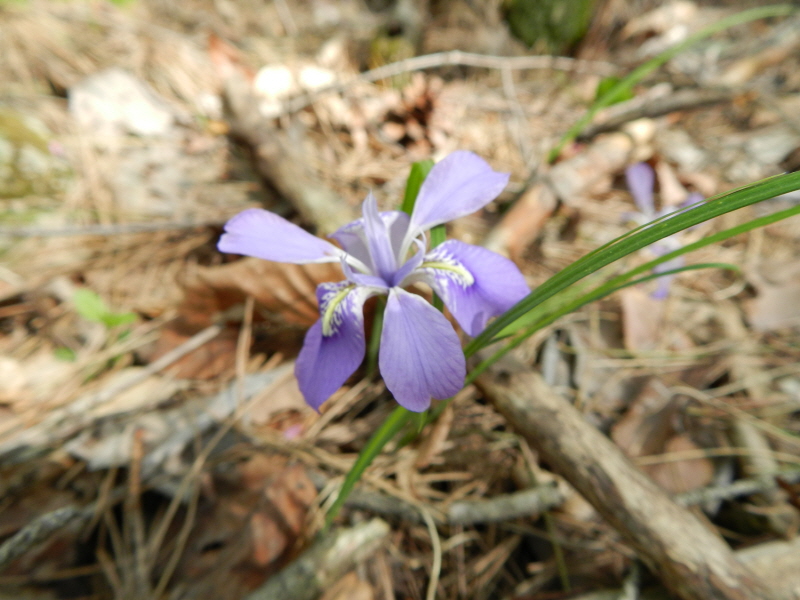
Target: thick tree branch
[691, 560]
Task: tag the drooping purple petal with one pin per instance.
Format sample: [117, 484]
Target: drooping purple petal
[458, 185]
[641, 181]
[420, 355]
[380, 247]
[334, 346]
[475, 283]
[260, 233]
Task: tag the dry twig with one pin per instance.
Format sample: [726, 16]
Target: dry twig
[457, 58]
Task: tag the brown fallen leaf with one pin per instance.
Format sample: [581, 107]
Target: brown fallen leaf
[642, 319]
[350, 587]
[210, 360]
[778, 288]
[256, 517]
[285, 295]
[646, 426]
[681, 476]
[284, 290]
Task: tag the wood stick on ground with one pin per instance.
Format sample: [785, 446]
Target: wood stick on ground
[461, 59]
[324, 563]
[279, 159]
[775, 561]
[691, 560]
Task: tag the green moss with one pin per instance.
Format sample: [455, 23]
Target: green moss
[553, 26]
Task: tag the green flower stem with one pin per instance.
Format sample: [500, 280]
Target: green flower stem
[386, 432]
[375, 338]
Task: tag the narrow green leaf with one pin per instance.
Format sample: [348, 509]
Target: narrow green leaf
[65, 354]
[607, 84]
[635, 240]
[89, 305]
[112, 320]
[438, 236]
[375, 338]
[386, 432]
[419, 171]
[622, 281]
[624, 87]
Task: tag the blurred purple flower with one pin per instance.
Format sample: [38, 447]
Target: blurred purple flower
[641, 183]
[381, 253]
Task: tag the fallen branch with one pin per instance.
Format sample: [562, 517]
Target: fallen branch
[324, 563]
[279, 159]
[691, 560]
[457, 58]
[644, 107]
[774, 561]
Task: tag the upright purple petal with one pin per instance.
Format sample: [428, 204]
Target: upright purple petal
[475, 283]
[420, 355]
[411, 264]
[641, 181]
[458, 185]
[354, 240]
[334, 346]
[260, 233]
[378, 242]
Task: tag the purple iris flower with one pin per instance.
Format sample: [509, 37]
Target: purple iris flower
[420, 354]
[641, 182]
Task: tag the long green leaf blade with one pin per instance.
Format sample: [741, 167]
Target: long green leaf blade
[635, 240]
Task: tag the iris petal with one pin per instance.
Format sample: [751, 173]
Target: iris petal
[474, 283]
[260, 233]
[334, 346]
[354, 240]
[380, 247]
[420, 355]
[641, 180]
[457, 185]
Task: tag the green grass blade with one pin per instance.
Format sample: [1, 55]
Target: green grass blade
[385, 433]
[419, 171]
[636, 240]
[622, 281]
[624, 87]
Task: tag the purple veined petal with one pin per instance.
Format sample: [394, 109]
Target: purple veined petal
[641, 181]
[334, 346]
[397, 224]
[420, 356]
[354, 240]
[458, 185]
[378, 242]
[260, 233]
[475, 283]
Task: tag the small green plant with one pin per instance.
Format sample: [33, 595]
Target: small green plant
[91, 307]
